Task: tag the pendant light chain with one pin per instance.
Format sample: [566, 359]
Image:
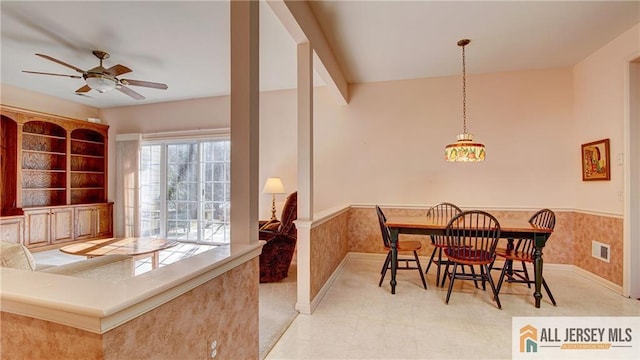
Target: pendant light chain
[464, 149]
[464, 91]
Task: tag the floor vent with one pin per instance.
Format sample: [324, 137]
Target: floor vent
[600, 251]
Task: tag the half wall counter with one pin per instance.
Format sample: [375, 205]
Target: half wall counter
[184, 310]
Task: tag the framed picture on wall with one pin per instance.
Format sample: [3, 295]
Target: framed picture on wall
[596, 164]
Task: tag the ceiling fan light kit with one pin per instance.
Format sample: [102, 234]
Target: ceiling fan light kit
[101, 83]
[101, 79]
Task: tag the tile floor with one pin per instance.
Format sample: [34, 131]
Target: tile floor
[359, 320]
[277, 309]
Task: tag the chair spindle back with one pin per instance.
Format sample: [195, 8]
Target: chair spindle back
[473, 236]
[386, 236]
[544, 218]
[442, 213]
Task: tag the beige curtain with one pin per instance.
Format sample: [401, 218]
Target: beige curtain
[126, 205]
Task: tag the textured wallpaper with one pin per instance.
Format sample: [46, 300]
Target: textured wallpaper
[569, 244]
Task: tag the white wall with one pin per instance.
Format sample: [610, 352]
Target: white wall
[387, 145]
[599, 113]
[278, 145]
[13, 96]
[277, 135]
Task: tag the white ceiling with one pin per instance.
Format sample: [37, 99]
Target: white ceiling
[186, 44]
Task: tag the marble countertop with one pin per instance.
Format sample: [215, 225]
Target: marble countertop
[99, 306]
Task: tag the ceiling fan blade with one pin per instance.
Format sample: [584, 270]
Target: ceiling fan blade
[45, 73]
[117, 70]
[127, 91]
[144, 83]
[83, 89]
[61, 63]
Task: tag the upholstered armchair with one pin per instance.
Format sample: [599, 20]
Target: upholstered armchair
[281, 237]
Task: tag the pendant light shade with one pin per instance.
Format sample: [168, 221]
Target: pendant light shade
[464, 149]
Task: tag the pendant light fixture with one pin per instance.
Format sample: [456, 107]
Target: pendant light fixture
[464, 150]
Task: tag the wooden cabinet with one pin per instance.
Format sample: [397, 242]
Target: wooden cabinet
[93, 221]
[87, 166]
[49, 165]
[85, 221]
[104, 222]
[8, 167]
[12, 229]
[51, 160]
[44, 147]
[62, 225]
[49, 226]
[37, 227]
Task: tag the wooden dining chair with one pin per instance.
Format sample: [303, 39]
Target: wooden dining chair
[402, 247]
[440, 213]
[472, 237]
[523, 252]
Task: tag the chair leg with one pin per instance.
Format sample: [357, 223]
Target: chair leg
[493, 287]
[433, 253]
[526, 274]
[386, 263]
[385, 268]
[453, 277]
[546, 287]
[446, 273]
[439, 265]
[424, 282]
[507, 269]
[503, 273]
[482, 276]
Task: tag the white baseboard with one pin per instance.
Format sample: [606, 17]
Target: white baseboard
[597, 279]
[310, 308]
[371, 256]
[303, 308]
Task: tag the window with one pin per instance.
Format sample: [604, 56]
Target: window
[185, 190]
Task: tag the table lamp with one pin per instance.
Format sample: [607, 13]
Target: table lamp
[273, 186]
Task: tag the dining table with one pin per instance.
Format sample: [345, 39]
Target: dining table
[510, 229]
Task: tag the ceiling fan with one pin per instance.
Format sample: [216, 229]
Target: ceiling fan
[103, 80]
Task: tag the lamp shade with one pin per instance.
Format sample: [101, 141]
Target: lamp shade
[273, 185]
[100, 82]
[464, 150]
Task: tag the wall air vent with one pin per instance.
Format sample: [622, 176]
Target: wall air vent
[600, 251]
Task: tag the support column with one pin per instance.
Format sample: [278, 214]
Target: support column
[305, 175]
[244, 121]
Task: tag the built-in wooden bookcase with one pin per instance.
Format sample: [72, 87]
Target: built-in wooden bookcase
[87, 166]
[8, 167]
[44, 164]
[51, 168]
